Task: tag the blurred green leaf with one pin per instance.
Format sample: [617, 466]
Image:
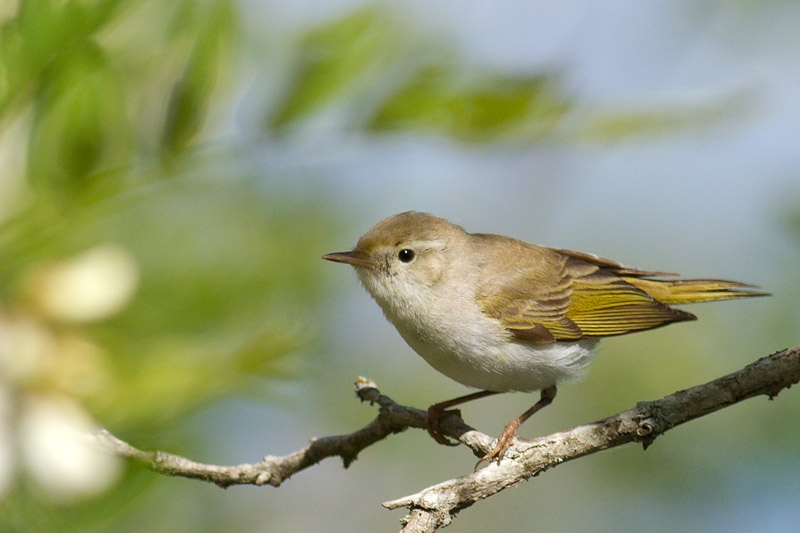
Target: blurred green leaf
[792, 218]
[80, 124]
[331, 59]
[471, 108]
[629, 123]
[190, 96]
[37, 37]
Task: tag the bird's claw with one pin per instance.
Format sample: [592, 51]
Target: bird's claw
[503, 444]
[432, 424]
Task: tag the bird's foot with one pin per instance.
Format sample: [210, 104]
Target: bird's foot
[503, 444]
[435, 413]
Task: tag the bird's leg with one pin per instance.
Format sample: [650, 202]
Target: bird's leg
[438, 410]
[510, 431]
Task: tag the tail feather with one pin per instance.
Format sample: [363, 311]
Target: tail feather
[687, 291]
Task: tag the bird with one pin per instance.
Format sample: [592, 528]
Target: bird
[500, 315]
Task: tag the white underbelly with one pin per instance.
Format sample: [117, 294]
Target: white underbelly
[505, 365]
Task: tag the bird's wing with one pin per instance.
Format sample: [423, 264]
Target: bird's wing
[608, 264]
[572, 296]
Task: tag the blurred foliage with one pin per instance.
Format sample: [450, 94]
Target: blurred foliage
[617, 125]
[109, 110]
[386, 78]
[332, 59]
[366, 57]
[793, 222]
[476, 108]
[92, 80]
[210, 41]
[114, 99]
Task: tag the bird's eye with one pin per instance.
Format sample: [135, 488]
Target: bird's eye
[405, 255]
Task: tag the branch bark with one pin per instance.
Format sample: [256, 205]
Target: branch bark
[435, 506]
[272, 470]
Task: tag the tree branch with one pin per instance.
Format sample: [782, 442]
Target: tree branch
[435, 506]
[272, 470]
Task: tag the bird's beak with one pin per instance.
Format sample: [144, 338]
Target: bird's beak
[355, 258]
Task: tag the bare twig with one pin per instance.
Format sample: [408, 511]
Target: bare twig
[272, 470]
[435, 506]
